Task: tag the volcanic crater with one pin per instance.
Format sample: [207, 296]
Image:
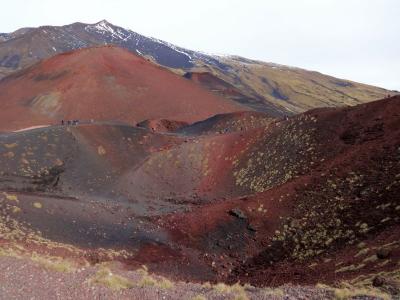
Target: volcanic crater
[107, 157]
[239, 196]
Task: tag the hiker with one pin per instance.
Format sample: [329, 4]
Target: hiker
[62, 122]
[286, 118]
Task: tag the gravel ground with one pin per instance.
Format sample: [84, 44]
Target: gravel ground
[24, 279]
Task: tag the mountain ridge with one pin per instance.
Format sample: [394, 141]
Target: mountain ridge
[276, 89]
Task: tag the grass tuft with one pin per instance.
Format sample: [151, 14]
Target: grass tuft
[105, 277]
[54, 263]
[148, 280]
[237, 290]
[349, 293]
[199, 297]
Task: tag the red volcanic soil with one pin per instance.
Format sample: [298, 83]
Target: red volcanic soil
[236, 197]
[228, 123]
[327, 203]
[103, 84]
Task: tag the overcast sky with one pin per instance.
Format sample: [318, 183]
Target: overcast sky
[351, 39]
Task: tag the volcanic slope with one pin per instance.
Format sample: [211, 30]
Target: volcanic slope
[311, 199]
[279, 89]
[320, 201]
[92, 192]
[272, 88]
[103, 83]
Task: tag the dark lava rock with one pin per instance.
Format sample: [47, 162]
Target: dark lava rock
[383, 253]
[251, 228]
[378, 281]
[236, 212]
[391, 286]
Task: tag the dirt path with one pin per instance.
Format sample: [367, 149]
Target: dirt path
[32, 127]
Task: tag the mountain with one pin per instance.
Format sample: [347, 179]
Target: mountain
[275, 89]
[104, 84]
[240, 196]
[29, 45]
[289, 90]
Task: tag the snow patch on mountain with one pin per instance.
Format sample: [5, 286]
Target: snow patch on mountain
[4, 37]
[115, 34]
[105, 28]
[169, 45]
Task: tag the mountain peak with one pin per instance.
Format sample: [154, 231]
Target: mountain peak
[103, 22]
[103, 27]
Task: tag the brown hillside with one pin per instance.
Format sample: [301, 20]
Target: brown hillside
[104, 83]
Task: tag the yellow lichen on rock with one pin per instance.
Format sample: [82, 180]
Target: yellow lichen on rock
[37, 205]
[101, 150]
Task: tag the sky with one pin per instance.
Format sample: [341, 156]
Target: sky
[351, 39]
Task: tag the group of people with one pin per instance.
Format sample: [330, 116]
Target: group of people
[70, 122]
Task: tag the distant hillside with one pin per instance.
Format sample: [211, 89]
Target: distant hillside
[104, 84]
[277, 90]
[290, 90]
